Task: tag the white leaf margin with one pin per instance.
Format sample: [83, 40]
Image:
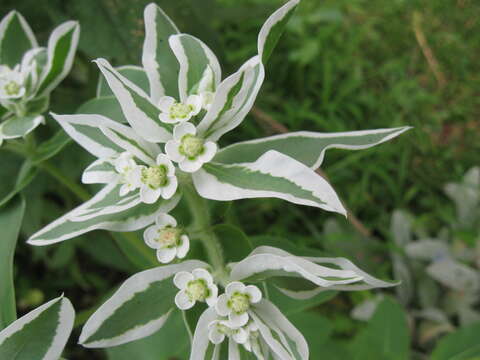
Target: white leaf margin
[28, 30]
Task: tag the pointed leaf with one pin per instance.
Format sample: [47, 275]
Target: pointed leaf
[11, 217]
[62, 46]
[140, 112]
[25, 176]
[16, 38]
[17, 127]
[305, 146]
[135, 74]
[106, 106]
[272, 175]
[41, 334]
[233, 100]
[138, 308]
[195, 59]
[460, 345]
[158, 59]
[51, 147]
[101, 171]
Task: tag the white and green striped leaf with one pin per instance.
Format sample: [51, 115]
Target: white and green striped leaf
[16, 38]
[307, 147]
[135, 74]
[16, 127]
[62, 46]
[283, 339]
[106, 106]
[233, 100]
[272, 175]
[41, 334]
[139, 111]
[131, 219]
[195, 59]
[201, 345]
[138, 308]
[273, 28]
[101, 171]
[158, 59]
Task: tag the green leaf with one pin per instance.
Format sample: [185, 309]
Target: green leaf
[25, 176]
[38, 105]
[463, 344]
[133, 73]
[273, 29]
[235, 242]
[41, 334]
[316, 330]
[51, 147]
[16, 38]
[11, 217]
[305, 146]
[138, 308]
[62, 46]
[386, 337]
[16, 127]
[106, 106]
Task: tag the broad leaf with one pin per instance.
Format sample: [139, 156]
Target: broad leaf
[158, 59]
[106, 106]
[139, 111]
[272, 175]
[305, 146]
[62, 46]
[195, 59]
[386, 334]
[41, 334]
[16, 127]
[131, 219]
[138, 308]
[133, 73]
[51, 147]
[233, 100]
[273, 29]
[16, 38]
[11, 217]
[463, 344]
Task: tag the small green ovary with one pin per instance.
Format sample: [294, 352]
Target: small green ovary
[12, 88]
[155, 176]
[180, 111]
[191, 146]
[197, 290]
[239, 303]
[169, 237]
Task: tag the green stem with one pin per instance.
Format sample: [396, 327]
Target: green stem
[68, 183]
[202, 227]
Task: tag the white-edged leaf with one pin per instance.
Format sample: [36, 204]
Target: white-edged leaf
[284, 340]
[272, 175]
[273, 28]
[455, 275]
[195, 59]
[158, 59]
[132, 219]
[16, 127]
[233, 100]
[107, 106]
[427, 249]
[201, 343]
[62, 46]
[16, 38]
[135, 74]
[41, 334]
[101, 171]
[137, 309]
[306, 146]
[139, 111]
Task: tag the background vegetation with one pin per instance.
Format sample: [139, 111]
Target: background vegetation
[342, 65]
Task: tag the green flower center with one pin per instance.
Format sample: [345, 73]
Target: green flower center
[239, 303]
[169, 236]
[191, 146]
[180, 111]
[12, 88]
[197, 290]
[155, 176]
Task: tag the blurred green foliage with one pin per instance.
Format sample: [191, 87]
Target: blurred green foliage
[342, 65]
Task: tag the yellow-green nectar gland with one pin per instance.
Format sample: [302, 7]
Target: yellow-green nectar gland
[239, 303]
[180, 111]
[169, 237]
[155, 176]
[191, 146]
[197, 290]
[12, 88]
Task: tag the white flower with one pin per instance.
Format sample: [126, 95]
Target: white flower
[219, 329]
[195, 286]
[158, 180]
[174, 112]
[167, 239]
[129, 172]
[11, 83]
[189, 150]
[236, 302]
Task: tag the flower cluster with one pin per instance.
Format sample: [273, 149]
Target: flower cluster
[30, 73]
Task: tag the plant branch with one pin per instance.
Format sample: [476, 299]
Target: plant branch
[271, 124]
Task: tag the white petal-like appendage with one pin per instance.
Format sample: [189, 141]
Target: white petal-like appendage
[237, 320]
[212, 299]
[190, 165]
[182, 301]
[240, 336]
[203, 274]
[254, 292]
[171, 148]
[149, 195]
[210, 149]
[221, 305]
[171, 188]
[183, 129]
[235, 286]
[182, 278]
[182, 250]
[150, 235]
[166, 255]
[165, 103]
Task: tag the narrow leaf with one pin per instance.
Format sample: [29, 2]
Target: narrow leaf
[16, 38]
[135, 74]
[25, 176]
[107, 106]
